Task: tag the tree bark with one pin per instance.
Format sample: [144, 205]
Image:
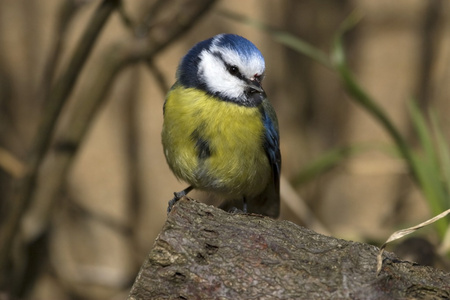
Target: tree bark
[203, 252]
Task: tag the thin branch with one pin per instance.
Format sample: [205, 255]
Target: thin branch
[160, 80]
[124, 17]
[184, 24]
[11, 164]
[144, 27]
[114, 60]
[56, 101]
[138, 50]
[65, 15]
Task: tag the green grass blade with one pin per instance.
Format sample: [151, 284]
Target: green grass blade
[428, 167]
[363, 99]
[424, 134]
[326, 162]
[432, 190]
[443, 151]
[423, 172]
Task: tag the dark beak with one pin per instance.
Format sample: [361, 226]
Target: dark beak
[254, 86]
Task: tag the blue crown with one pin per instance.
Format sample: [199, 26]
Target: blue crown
[188, 68]
[241, 45]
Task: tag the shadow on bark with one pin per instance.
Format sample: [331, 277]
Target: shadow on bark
[203, 252]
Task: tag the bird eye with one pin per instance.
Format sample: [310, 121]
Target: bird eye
[233, 70]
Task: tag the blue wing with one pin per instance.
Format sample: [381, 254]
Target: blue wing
[268, 202]
[272, 145]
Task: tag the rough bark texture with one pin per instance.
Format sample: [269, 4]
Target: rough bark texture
[203, 252]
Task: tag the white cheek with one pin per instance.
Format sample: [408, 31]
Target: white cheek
[217, 78]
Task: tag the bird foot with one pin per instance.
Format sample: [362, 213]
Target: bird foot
[178, 196]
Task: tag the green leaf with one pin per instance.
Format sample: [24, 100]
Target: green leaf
[358, 94]
[443, 157]
[428, 167]
[425, 137]
[326, 162]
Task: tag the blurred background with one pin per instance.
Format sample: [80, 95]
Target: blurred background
[83, 180]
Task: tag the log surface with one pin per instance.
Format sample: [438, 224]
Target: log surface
[203, 252]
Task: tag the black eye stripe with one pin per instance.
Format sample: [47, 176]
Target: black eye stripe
[232, 69]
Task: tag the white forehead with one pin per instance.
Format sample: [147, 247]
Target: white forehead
[249, 65]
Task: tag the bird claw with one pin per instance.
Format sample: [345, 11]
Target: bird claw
[235, 210]
[172, 203]
[178, 196]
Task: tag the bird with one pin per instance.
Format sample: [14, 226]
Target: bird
[220, 132]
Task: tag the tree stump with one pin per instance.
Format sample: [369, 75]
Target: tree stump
[203, 252]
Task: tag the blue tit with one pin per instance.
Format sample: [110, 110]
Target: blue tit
[220, 132]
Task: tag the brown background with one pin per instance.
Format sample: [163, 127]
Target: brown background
[114, 201]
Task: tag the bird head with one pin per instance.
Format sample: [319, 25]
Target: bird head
[227, 66]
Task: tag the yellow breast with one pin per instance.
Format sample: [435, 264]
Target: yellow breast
[236, 164]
